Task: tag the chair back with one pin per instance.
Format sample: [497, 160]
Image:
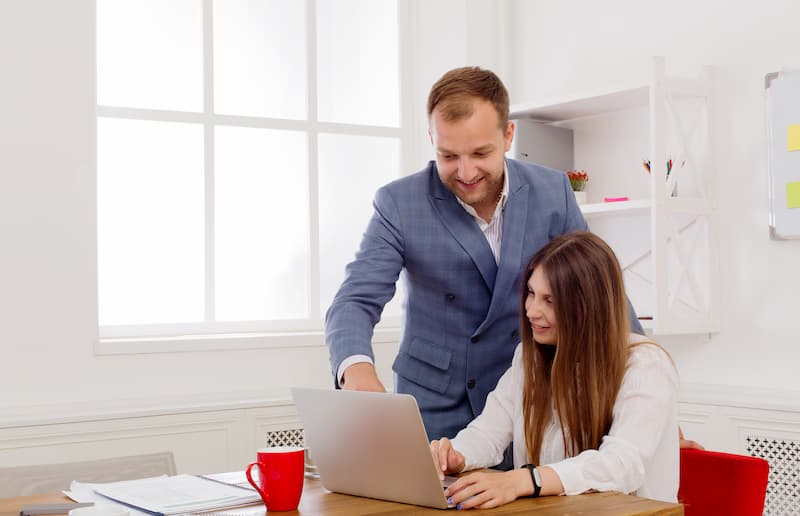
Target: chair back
[722, 483]
[46, 478]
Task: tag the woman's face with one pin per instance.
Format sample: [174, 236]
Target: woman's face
[539, 308]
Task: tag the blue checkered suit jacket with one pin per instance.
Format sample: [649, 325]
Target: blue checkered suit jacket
[461, 317]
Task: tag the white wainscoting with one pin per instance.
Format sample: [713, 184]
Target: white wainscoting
[758, 422]
[222, 433]
[205, 435]
[723, 417]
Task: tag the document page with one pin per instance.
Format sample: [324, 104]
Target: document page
[178, 494]
[85, 492]
[234, 478]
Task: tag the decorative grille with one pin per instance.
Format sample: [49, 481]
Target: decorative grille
[286, 437]
[783, 487]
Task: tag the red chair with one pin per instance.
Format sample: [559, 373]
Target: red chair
[722, 483]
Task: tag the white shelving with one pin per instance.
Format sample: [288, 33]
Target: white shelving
[640, 206]
[666, 235]
[600, 103]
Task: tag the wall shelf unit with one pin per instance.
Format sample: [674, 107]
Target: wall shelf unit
[599, 103]
[666, 234]
[602, 208]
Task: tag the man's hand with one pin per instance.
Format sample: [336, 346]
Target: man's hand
[446, 458]
[362, 377]
[688, 443]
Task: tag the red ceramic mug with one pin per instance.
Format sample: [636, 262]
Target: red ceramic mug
[280, 472]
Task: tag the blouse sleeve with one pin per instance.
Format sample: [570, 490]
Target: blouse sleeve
[486, 438]
[643, 411]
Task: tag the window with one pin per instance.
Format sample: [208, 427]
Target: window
[240, 143]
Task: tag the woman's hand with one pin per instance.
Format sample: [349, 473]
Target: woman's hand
[486, 489]
[446, 458]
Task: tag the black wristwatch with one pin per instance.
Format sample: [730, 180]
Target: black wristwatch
[535, 478]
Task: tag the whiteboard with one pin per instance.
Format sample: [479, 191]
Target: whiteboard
[782, 91]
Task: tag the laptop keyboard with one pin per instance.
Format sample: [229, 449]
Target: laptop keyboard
[448, 480]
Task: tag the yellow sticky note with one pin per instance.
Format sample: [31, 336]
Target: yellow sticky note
[793, 195]
[793, 140]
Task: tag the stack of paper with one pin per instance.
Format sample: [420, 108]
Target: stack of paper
[234, 478]
[180, 494]
[84, 492]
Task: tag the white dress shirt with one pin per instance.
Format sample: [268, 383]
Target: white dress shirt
[639, 455]
[492, 230]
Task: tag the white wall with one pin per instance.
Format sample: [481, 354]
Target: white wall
[48, 300]
[446, 34]
[562, 48]
[47, 206]
[47, 222]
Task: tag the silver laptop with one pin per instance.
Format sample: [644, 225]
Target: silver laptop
[370, 444]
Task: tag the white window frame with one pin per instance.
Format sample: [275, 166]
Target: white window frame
[210, 335]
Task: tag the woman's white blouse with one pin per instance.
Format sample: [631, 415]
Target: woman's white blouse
[639, 455]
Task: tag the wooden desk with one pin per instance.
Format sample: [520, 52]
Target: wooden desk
[318, 501]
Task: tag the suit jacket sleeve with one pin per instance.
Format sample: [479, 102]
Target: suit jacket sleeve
[368, 285]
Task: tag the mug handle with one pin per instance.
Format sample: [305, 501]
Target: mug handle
[264, 495]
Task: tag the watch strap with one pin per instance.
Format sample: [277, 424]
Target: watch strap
[535, 480]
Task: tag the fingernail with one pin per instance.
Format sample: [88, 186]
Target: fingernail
[450, 500]
[459, 507]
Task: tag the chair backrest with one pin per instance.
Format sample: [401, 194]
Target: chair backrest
[722, 483]
[47, 478]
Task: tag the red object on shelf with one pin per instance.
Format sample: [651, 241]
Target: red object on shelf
[614, 199]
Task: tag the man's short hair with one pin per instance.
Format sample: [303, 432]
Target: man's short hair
[455, 91]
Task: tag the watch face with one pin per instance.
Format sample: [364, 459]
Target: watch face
[537, 478]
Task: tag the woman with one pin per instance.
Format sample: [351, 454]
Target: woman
[587, 404]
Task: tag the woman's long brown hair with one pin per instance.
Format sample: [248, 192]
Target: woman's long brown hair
[581, 375]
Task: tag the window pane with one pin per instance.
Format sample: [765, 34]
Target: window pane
[346, 189]
[357, 62]
[150, 222]
[262, 236]
[260, 58]
[150, 54]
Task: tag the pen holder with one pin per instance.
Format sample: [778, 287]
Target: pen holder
[310, 467]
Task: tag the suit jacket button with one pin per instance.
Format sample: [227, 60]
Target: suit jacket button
[475, 339]
[449, 297]
[471, 384]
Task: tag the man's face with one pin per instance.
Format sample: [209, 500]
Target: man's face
[470, 154]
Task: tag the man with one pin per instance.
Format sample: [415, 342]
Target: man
[462, 229]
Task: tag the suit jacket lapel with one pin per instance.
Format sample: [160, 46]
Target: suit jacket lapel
[514, 222]
[464, 229]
